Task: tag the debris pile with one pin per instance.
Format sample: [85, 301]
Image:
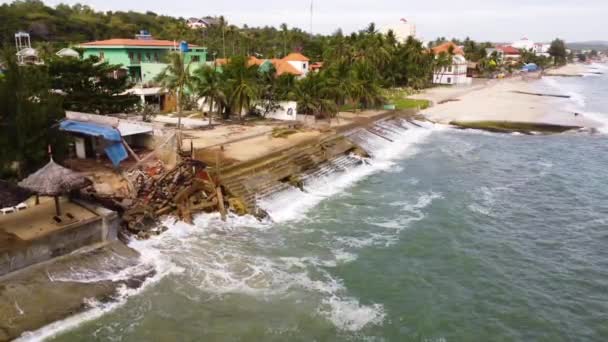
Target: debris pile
[185, 190]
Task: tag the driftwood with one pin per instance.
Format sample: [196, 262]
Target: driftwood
[183, 191]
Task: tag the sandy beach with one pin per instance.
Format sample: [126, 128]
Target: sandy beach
[572, 69]
[502, 100]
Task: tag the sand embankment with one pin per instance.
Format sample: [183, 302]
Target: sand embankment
[500, 100]
[572, 69]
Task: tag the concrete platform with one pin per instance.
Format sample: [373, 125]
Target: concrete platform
[33, 235]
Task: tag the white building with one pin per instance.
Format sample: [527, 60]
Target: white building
[524, 44]
[402, 30]
[196, 23]
[299, 62]
[541, 49]
[456, 73]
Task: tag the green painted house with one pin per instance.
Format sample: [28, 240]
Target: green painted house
[144, 58]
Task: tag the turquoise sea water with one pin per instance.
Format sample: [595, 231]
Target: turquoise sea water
[446, 236]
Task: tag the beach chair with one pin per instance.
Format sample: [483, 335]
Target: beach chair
[21, 206]
[6, 211]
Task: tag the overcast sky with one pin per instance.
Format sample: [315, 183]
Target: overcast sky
[504, 20]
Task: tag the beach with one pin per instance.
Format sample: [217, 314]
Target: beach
[512, 99]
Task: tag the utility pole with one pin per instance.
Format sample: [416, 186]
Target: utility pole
[311, 12]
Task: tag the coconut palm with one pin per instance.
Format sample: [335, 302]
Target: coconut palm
[208, 83]
[242, 87]
[175, 78]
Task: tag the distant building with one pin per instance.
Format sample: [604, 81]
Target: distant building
[295, 64]
[524, 44]
[456, 73]
[541, 49]
[67, 52]
[196, 23]
[402, 30]
[25, 53]
[144, 57]
[509, 53]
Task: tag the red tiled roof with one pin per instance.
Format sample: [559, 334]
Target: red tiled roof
[136, 42]
[445, 47]
[508, 50]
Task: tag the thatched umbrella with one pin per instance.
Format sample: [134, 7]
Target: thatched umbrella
[54, 180]
[11, 194]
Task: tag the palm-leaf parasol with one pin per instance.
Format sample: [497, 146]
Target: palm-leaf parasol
[11, 194]
[54, 180]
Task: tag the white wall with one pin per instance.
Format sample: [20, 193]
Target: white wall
[287, 112]
[302, 67]
[456, 75]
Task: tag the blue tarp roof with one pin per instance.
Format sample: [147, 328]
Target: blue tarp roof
[114, 149]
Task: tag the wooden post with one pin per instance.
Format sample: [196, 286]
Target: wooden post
[220, 203]
[57, 206]
[124, 142]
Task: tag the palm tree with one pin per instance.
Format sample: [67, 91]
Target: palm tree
[242, 87]
[285, 32]
[175, 78]
[208, 83]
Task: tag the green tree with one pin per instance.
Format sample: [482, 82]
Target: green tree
[208, 83]
[558, 51]
[90, 86]
[29, 113]
[175, 78]
[242, 85]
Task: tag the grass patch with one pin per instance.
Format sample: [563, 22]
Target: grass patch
[399, 98]
[513, 126]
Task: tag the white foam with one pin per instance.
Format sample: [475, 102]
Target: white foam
[294, 204]
[350, 315]
[150, 258]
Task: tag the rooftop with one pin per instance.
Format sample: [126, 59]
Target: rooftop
[445, 47]
[296, 57]
[136, 42]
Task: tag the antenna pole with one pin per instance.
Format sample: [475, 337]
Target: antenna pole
[311, 12]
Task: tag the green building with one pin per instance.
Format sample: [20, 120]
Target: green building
[144, 58]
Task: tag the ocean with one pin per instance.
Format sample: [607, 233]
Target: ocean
[444, 235]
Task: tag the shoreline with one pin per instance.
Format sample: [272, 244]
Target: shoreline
[513, 100]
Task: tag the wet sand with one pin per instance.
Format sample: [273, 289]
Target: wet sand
[500, 100]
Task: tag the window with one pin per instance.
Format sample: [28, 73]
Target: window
[131, 55]
[148, 58]
[450, 68]
[196, 58]
[139, 56]
[156, 59]
[101, 55]
[304, 66]
[449, 80]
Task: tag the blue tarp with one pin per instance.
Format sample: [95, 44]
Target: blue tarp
[114, 149]
[530, 67]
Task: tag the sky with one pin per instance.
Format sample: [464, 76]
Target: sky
[491, 20]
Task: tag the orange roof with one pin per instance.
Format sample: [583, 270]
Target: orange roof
[445, 47]
[135, 42]
[296, 57]
[283, 67]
